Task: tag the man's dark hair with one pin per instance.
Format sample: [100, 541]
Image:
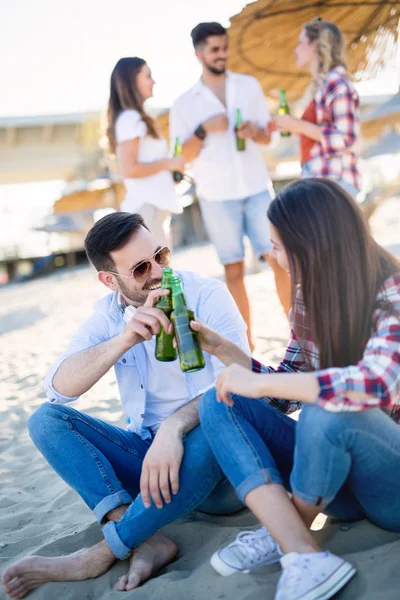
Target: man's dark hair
[111, 233]
[202, 31]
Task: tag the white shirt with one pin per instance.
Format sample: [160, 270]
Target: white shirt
[161, 399]
[137, 370]
[220, 171]
[158, 189]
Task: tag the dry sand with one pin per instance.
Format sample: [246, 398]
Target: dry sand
[39, 514]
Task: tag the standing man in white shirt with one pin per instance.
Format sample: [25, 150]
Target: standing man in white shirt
[233, 187]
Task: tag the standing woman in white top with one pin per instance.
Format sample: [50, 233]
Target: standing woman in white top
[140, 149]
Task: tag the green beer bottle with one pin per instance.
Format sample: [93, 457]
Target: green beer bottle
[240, 142]
[177, 152]
[165, 350]
[283, 110]
[190, 354]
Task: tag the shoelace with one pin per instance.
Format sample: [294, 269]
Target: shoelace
[253, 545]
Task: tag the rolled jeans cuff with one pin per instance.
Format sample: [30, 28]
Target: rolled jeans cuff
[256, 479]
[114, 542]
[312, 500]
[109, 503]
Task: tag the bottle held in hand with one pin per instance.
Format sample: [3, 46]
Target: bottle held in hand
[240, 142]
[283, 110]
[190, 354]
[165, 350]
[177, 176]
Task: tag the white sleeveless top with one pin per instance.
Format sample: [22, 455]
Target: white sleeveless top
[158, 189]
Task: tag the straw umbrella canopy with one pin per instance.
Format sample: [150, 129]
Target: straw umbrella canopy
[93, 197]
[264, 34]
[386, 114]
[163, 123]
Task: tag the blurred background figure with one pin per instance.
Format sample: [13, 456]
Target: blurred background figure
[221, 121]
[329, 127]
[140, 149]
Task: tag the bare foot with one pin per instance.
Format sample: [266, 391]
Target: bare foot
[28, 573]
[146, 560]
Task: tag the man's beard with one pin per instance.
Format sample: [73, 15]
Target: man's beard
[137, 297]
[215, 71]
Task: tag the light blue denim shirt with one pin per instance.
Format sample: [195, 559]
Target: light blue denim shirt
[212, 304]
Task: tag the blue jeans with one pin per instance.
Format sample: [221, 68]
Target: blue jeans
[103, 464]
[350, 189]
[349, 463]
[228, 221]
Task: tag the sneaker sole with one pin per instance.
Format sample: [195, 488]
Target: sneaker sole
[331, 586]
[225, 570]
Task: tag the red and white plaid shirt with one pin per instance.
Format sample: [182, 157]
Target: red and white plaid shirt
[377, 374]
[337, 111]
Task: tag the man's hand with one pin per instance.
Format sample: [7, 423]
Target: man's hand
[271, 127]
[146, 321]
[247, 130]
[160, 468]
[216, 123]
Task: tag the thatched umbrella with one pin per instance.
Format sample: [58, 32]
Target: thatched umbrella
[389, 143]
[101, 195]
[264, 34]
[381, 116]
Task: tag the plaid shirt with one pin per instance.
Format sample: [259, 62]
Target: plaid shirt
[337, 109]
[376, 375]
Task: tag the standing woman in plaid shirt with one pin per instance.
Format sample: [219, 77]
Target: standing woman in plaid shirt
[329, 127]
[342, 456]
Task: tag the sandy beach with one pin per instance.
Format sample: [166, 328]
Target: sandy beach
[39, 514]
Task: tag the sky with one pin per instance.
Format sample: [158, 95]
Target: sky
[59, 55]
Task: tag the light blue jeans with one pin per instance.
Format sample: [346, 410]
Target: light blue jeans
[103, 464]
[350, 189]
[348, 463]
[228, 221]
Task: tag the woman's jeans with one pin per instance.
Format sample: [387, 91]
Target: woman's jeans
[103, 463]
[350, 189]
[347, 463]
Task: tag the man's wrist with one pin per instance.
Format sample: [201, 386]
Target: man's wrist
[126, 342]
[172, 425]
[200, 133]
[254, 131]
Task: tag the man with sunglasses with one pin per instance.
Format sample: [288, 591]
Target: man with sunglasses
[136, 480]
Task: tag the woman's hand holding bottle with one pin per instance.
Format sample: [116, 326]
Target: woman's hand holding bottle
[177, 163]
[211, 341]
[222, 348]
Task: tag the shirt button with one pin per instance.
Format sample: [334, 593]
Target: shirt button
[142, 416]
[124, 360]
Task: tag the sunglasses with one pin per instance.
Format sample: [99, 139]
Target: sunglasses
[142, 271]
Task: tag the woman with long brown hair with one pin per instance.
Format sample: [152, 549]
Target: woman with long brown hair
[140, 149]
[342, 366]
[329, 128]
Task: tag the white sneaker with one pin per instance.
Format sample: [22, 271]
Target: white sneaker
[251, 549]
[317, 576]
